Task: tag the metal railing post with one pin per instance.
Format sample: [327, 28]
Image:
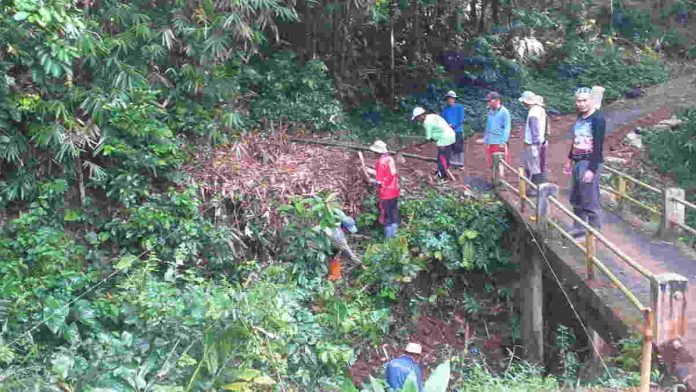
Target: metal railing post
[590, 250]
[522, 188]
[671, 212]
[621, 189]
[543, 210]
[646, 359]
[497, 167]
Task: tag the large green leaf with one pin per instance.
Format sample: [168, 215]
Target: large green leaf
[439, 379]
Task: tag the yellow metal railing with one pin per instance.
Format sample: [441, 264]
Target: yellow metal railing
[590, 252]
[621, 187]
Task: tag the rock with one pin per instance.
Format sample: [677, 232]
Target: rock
[635, 140]
[607, 197]
[615, 160]
[669, 123]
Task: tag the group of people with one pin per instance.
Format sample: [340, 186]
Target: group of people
[584, 162]
[446, 129]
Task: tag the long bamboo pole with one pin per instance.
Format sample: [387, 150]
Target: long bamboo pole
[360, 148]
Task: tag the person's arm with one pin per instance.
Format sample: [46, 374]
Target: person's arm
[599, 126]
[460, 119]
[534, 130]
[506, 125]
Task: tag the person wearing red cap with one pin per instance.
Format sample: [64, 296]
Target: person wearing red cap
[497, 133]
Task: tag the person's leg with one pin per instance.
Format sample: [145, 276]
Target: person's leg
[591, 199]
[441, 160]
[391, 223]
[489, 155]
[576, 197]
[542, 162]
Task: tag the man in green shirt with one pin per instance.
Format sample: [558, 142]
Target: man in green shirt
[437, 129]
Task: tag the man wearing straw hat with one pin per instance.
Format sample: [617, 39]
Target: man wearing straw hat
[436, 128]
[585, 160]
[399, 369]
[533, 154]
[387, 181]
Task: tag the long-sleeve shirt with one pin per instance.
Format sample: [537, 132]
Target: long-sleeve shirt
[497, 126]
[454, 115]
[436, 128]
[588, 140]
[535, 128]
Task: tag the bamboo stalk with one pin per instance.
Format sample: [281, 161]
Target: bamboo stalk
[359, 148]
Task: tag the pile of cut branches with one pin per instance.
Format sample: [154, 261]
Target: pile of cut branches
[269, 170]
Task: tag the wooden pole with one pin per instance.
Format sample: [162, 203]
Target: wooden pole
[359, 148]
[646, 360]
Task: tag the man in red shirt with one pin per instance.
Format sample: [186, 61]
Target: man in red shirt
[387, 181]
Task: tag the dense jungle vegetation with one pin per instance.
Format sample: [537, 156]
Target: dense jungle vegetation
[116, 275]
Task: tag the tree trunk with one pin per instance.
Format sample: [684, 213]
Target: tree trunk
[495, 10]
[482, 17]
[472, 11]
[392, 81]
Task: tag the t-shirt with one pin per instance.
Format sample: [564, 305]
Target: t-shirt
[497, 126]
[398, 370]
[454, 115]
[535, 128]
[588, 140]
[436, 128]
[385, 173]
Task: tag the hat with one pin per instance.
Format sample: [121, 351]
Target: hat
[529, 98]
[492, 95]
[413, 348]
[417, 112]
[379, 147]
[451, 94]
[348, 223]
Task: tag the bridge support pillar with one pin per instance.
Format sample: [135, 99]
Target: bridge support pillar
[669, 307]
[671, 212]
[669, 304]
[532, 321]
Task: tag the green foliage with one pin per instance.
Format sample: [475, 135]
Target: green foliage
[565, 340]
[593, 64]
[293, 94]
[519, 377]
[673, 153]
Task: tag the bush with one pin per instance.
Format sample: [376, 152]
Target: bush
[589, 65]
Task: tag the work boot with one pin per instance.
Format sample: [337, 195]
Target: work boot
[577, 232]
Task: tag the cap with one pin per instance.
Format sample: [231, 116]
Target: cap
[349, 224]
[451, 94]
[492, 95]
[583, 90]
[417, 112]
[379, 147]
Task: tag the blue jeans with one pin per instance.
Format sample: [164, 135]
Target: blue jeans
[584, 196]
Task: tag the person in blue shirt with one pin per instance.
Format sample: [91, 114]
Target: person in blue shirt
[497, 134]
[453, 113]
[399, 369]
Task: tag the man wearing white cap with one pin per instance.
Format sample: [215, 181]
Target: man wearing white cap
[453, 113]
[533, 155]
[437, 129]
[387, 180]
[399, 369]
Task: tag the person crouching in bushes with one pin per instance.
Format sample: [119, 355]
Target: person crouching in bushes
[387, 181]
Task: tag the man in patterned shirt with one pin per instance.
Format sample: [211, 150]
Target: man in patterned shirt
[585, 161]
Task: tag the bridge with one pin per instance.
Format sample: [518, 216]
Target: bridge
[619, 280]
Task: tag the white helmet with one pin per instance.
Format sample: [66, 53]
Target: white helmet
[417, 112]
